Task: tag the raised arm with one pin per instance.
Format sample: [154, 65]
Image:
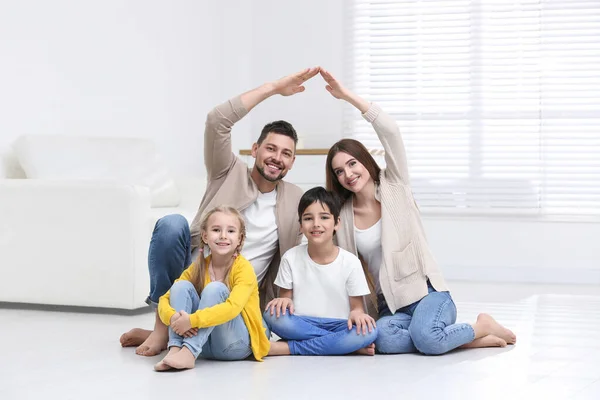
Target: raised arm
[385, 127]
[218, 156]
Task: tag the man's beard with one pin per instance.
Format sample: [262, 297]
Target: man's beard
[261, 171]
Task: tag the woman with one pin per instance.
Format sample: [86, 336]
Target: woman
[381, 223]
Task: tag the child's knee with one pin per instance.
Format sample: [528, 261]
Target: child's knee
[216, 290]
[271, 319]
[370, 337]
[276, 324]
[362, 340]
[182, 286]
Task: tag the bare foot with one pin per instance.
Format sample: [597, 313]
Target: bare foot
[183, 359]
[161, 366]
[134, 337]
[486, 341]
[494, 328]
[279, 348]
[155, 344]
[366, 351]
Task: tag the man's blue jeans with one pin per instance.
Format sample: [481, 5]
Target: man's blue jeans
[169, 254]
[427, 326]
[313, 336]
[228, 341]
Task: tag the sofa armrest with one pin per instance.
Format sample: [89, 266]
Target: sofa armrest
[74, 243]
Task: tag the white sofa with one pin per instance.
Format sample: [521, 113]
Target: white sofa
[76, 217]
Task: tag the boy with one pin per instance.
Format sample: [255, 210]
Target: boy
[321, 289]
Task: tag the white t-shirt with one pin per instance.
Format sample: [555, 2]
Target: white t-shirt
[368, 244]
[321, 290]
[261, 233]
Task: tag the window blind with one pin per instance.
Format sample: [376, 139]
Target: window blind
[498, 102]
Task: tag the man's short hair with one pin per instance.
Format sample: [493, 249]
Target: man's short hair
[279, 127]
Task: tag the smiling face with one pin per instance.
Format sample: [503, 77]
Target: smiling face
[223, 233]
[274, 156]
[318, 224]
[350, 173]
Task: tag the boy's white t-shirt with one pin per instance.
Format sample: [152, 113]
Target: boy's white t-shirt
[262, 238]
[321, 290]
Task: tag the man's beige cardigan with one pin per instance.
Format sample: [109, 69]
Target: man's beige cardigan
[229, 183]
[407, 259]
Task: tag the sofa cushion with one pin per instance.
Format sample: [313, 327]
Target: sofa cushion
[125, 160]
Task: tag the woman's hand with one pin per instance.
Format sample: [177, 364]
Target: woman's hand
[338, 91]
[279, 305]
[334, 86]
[362, 321]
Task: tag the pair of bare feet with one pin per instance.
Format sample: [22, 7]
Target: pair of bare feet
[152, 343]
[493, 334]
[176, 358]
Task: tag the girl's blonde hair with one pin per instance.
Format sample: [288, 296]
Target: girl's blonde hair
[200, 265]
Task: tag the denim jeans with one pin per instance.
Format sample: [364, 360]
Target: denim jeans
[228, 341]
[427, 326]
[311, 336]
[169, 254]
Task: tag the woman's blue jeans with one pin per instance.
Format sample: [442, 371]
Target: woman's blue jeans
[427, 326]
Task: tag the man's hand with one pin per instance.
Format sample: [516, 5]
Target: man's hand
[292, 84]
[279, 305]
[182, 324]
[362, 321]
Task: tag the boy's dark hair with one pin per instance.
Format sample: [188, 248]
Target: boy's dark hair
[324, 197]
[279, 127]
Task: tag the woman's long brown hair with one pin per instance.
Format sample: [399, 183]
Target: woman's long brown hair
[357, 150]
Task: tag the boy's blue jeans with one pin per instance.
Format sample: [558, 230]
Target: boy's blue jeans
[311, 336]
[229, 341]
[427, 326]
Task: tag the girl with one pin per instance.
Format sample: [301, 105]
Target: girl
[381, 222]
[213, 308]
[321, 289]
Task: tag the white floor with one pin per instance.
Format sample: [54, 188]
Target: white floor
[68, 355]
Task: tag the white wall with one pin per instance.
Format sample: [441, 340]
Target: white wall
[154, 69]
[141, 68]
[290, 35]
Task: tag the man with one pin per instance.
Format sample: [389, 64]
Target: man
[268, 203]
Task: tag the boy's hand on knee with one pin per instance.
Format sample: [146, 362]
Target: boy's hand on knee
[279, 305]
[182, 324]
[362, 321]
